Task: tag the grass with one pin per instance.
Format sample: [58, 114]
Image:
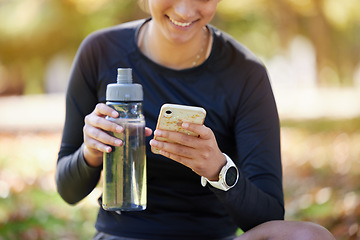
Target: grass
[321, 163]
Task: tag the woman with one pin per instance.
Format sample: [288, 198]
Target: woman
[179, 58]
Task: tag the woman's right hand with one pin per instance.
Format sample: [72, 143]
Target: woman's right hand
[96, 139]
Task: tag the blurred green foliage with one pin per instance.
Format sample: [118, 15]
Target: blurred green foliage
[30, 207]
[32, 32]
[36, 213]
[332, 26]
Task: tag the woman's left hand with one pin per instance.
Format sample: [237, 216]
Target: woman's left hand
[201, 154]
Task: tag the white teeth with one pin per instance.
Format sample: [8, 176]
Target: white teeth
[179, 23]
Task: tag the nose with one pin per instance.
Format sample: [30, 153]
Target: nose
[185, 8]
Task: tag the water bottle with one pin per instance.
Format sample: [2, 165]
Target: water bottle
[125, 167]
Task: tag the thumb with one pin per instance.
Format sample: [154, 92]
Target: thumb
[148, 131]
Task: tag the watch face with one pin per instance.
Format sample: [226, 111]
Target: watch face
[231, 176]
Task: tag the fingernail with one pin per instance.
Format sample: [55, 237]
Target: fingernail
[118, 142]
[114, 114]
[108, 149]
[119, 129]
[153, 142]
[157, 132]
[185, 125]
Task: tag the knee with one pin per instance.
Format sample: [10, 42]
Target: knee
[311, 231]
[287, 230]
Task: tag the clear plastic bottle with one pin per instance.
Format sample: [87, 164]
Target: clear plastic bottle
[125, 186]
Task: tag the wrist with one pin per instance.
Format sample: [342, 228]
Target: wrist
[92, 159]
[228, 176]
[223, 162]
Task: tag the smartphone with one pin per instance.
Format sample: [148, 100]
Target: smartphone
[172, 116]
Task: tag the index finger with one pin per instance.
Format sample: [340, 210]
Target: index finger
[105, 110]
[176, 137]
[200, 129]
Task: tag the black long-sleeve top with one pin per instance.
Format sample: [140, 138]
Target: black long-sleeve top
[233, 87]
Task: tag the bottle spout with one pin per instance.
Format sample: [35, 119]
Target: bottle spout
[124, 76]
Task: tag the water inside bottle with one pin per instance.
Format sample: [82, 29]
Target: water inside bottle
[125, 169]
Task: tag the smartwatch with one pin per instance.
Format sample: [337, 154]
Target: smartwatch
[228, 176]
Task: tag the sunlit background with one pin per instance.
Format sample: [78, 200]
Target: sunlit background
[311, 49]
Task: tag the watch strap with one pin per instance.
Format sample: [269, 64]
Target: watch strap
[221, 183]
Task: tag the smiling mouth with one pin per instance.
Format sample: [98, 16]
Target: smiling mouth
[180, 24]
